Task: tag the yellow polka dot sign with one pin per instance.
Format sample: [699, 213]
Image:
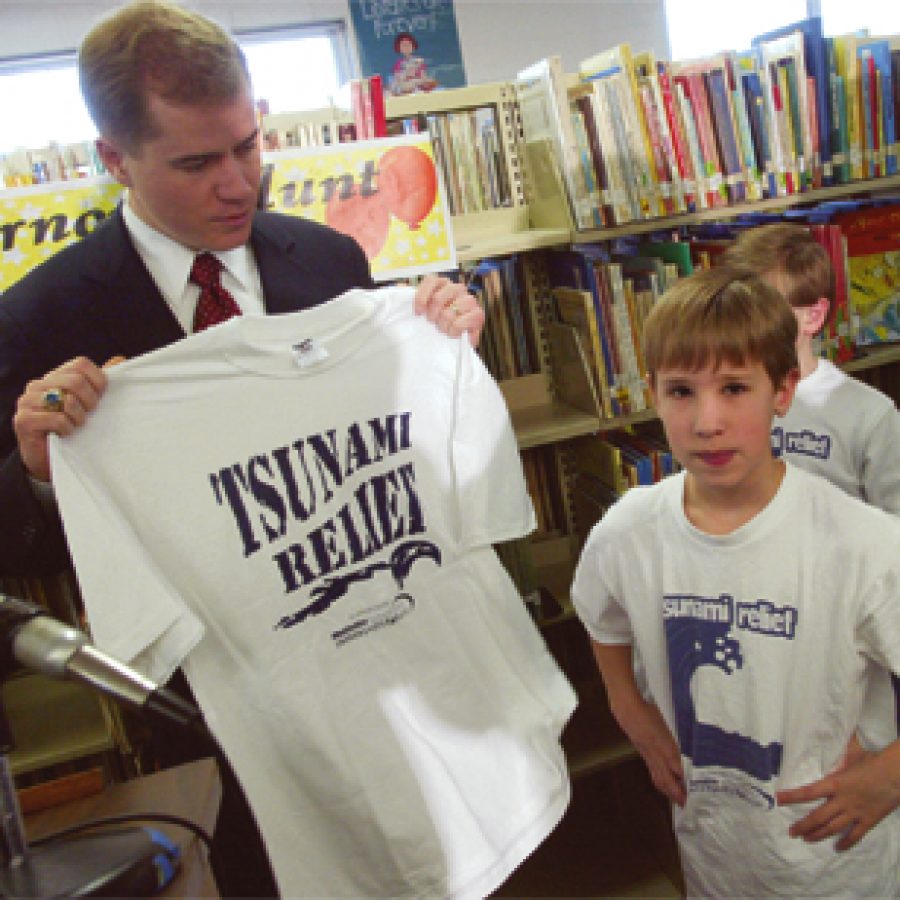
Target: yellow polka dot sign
[39, 220]
[384, 193]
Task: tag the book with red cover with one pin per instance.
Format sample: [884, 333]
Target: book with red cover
[376, 103]
[679, 139]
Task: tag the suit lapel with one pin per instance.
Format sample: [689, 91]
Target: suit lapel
[282, 268]
[131, 308]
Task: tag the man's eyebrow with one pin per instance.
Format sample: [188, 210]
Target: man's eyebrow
[249, 139]
[192, 158]
[195, 158]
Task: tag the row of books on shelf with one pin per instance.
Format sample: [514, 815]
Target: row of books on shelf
[55, 162]
[469, 154]
[318, 128]
[607, 465]
[604, 292]
[638, 138]
[507, 346]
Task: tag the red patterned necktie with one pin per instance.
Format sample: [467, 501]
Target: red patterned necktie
[215, 304]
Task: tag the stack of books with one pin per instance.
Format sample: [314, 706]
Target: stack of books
[638, 138]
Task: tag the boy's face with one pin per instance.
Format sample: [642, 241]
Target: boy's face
[718, 424]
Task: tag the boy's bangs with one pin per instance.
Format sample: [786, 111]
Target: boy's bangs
[705, 346]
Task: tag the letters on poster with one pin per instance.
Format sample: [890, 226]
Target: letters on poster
[383, 193]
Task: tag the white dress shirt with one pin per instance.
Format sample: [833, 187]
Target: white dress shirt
[169, 264]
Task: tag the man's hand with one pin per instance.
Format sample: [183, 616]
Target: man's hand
[858, 795]
[647, 730]
[450, 306]
[79, 385]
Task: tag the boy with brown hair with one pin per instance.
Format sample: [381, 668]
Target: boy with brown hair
[756, 595]
[838, 426]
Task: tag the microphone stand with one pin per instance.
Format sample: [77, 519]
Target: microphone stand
[104, 864]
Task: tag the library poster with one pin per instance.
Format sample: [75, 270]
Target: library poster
[412, 44]
[384, 193]
[38, 220]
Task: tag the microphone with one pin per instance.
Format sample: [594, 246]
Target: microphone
[32, 638]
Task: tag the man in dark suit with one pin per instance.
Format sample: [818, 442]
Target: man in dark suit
[174, 109]
[171, 98]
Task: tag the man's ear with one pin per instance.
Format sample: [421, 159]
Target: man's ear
[812, 317]
[113, 158]
[784, 394]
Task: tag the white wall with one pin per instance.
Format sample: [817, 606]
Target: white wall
[498, 37]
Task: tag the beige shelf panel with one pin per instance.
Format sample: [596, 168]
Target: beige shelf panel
[449, 100]
[878, 185]
[487, 245]
[537, 418]
[499, 232]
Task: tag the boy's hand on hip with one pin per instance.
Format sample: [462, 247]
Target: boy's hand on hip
[857, 797]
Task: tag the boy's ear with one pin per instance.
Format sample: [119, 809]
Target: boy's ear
[813, 317]
[784, 394]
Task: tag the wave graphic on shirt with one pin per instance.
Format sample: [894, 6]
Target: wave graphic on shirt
[693, 643]
[330, 590]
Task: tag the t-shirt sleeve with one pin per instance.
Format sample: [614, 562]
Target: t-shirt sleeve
[134, 614]
[881, 466]
[596, 604]
[493, 501]
[878, 627]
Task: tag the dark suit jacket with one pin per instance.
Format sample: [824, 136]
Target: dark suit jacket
[96, 299]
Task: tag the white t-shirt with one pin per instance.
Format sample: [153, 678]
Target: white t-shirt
[755, 646]
[300, 509]
[846, 431]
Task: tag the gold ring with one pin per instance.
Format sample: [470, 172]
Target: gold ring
[454, 308]
[53, 399]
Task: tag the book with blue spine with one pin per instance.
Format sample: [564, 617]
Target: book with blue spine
[880, 51]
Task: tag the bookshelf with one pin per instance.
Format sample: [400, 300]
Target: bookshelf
[886, 184]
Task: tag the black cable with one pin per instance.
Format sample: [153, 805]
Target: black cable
[187, 824]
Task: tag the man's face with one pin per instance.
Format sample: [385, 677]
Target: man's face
[197, 180]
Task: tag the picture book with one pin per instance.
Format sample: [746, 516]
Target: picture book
[873, 266]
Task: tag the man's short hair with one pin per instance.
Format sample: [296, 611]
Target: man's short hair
[790, 256]
[721, 315]
[155, 47]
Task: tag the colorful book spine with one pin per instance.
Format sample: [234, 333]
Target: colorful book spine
[660, 160]
[800, 157]
[781, 137]
[715, 172]
[724, 133]
[848, 68]
[605, 212]
[705, 196]
[679, 139]
[758, 118]
[376, 106]
[867, 91]
[738, 105]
